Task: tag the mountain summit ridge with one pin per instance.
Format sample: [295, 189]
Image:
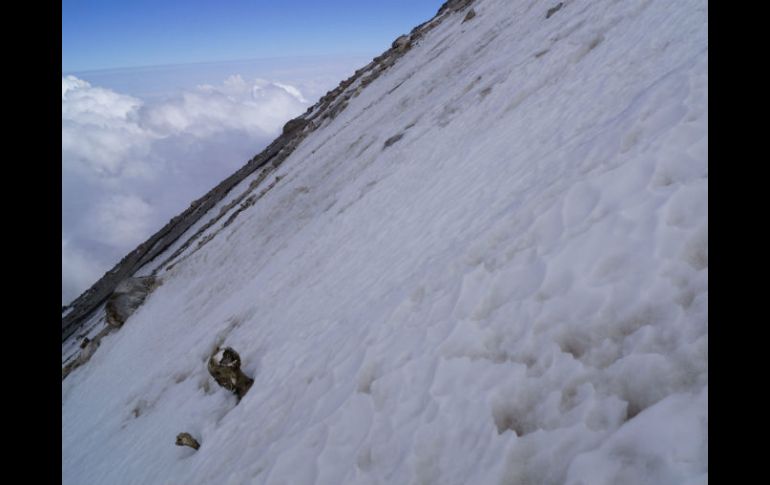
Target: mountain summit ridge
[77, 312]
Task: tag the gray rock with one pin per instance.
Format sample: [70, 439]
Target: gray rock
[403, 43]
[471, 13]
[295, 125]
[126, 298]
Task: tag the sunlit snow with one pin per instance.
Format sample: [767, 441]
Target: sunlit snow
[513, 292]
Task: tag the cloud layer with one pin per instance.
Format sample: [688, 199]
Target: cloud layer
[128, 166]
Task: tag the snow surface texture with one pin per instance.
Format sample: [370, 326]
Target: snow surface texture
[512, 292]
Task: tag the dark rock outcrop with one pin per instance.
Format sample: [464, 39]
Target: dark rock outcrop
[225, 367]
[297, 124]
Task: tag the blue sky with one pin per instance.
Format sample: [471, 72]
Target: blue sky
[106, 34]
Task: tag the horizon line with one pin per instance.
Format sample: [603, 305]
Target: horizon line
[181, 64]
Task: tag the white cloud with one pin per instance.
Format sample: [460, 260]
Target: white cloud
[81, 271]
[257, 108]
[293, 91]
[101, 132]
[119, 220]
[129, 165]
[88, 104]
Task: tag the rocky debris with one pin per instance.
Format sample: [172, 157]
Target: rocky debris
[553, 10]
[84, 306]
[225, 367]
[88, 347]
[82, 358]
[336, 100]
[186, 439]
[328, 107]
[242, 199]
[67, 369]
[471, 13]
[454, 6]
[126, 298]
[295, 125]
[337, 108]
[402, 44]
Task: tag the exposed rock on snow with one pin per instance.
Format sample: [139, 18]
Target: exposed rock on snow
[186, 439]
[225, 367]
[127, 297]
[402, 43]
[88, 348]
[297, 124]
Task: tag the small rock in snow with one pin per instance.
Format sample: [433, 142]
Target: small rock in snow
[186, 439]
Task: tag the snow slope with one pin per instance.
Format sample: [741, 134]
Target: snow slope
[513, 292]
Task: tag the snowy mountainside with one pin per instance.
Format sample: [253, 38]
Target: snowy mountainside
[488, 266]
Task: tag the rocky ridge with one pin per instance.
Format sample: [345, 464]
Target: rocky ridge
[76, 314]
